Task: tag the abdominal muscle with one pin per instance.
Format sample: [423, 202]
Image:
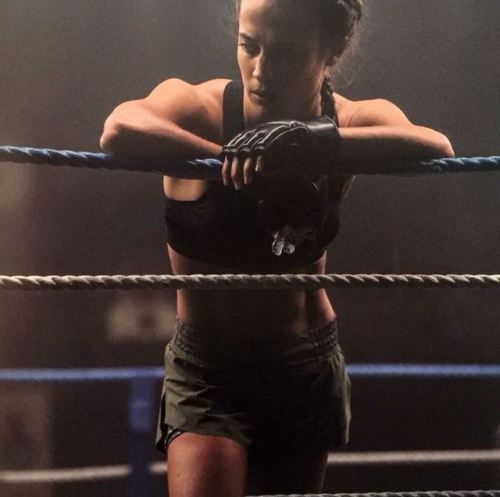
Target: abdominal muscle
[248, 315]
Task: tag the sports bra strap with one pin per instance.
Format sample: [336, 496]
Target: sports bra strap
[233, 119]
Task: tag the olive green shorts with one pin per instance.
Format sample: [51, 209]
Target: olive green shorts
[292, 397]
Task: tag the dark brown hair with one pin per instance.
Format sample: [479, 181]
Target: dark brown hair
[338, 20]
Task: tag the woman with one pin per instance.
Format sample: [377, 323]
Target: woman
[255, 393]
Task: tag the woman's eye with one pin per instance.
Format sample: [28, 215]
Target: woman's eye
[249, 49]
[289, 53]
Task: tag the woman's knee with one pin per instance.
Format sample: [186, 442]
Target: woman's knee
[193, 445]
[200, 465]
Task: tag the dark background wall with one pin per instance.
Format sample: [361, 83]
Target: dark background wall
[66, 64]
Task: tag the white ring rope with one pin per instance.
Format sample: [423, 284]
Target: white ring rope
[247, 281]
[334, 459]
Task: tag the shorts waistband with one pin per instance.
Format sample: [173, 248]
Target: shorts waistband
[313, 344]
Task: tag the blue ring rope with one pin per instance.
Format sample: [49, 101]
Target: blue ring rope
[432, 371]
[211, 168]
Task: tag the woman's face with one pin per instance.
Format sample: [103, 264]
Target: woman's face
[281, 59]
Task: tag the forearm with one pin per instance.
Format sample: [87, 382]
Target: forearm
[144, 135]
[378, 143]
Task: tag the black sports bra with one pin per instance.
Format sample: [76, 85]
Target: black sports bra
[226, 227]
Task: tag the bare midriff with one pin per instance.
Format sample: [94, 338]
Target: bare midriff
[239, 314]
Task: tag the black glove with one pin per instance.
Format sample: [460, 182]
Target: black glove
[309, 144]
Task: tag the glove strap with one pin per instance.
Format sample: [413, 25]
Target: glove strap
[326, 138]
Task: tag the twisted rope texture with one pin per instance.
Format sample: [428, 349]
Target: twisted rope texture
[248, 282]
[210, 168]
[207, 168]
[430, 371]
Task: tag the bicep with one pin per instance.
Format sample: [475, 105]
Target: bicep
[175, 101]
[174, 117]
[377, 112]
[378, 128]
[173, 105]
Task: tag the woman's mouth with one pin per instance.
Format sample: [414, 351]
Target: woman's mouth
[264, 96]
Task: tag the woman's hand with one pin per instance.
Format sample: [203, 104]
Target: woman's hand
[286, 146]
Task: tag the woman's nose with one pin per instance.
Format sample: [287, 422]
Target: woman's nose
[262, 69]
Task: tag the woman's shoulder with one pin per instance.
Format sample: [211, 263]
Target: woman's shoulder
[354, 113]
[213, 87]
[197, 107]
[177, 85]
[207, 92]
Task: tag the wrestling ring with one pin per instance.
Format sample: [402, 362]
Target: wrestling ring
[142, 381]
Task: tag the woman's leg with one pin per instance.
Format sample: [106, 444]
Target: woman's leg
[206, 466]
[288, 472]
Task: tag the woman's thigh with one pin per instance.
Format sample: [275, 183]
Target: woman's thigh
[299, 471]
[206, 466]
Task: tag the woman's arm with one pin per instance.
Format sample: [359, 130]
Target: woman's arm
[369, 131]
[378, 130]
[177, 121]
